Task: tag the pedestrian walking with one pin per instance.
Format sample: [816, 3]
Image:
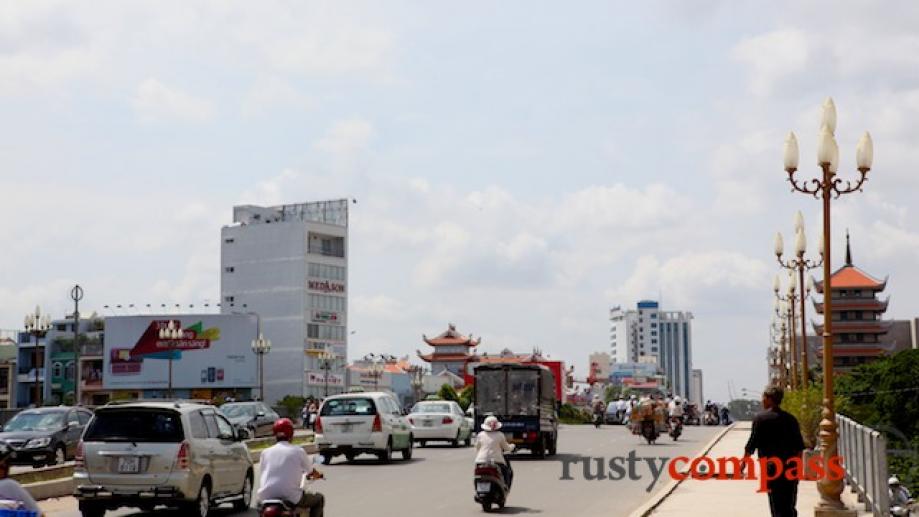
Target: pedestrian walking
[776, 434]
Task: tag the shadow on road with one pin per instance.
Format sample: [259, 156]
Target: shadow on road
[515, 510]
[360, 462]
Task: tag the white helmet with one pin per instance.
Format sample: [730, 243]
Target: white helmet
[491, 423]
[893, 480]
[677, 399]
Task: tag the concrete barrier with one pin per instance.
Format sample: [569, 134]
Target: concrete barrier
[61, 485]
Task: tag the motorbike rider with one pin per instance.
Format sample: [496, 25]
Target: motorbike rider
[283, 467]
[10, 489]
[676, 408]
[491, 445]
[900, 500]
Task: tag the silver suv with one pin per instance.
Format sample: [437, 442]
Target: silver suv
[146, 454]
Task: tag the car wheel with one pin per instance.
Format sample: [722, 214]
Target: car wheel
[385, 455]
[468, 441]
[326, 459]
[88, 509]
[350, 456]
[422, 443]
[456, 441]
[243, 504]
[202, 505]
[407, 452]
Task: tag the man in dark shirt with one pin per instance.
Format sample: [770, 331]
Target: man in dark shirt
[776, 434]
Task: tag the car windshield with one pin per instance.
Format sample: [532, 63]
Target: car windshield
[135, 425]
[431, 408]
[34, 421]
[237, 410]
[348, 407]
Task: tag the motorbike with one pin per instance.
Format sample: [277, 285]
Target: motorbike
[676, 427]
[710, 418]
[282, 508]
[649, 430]
[490, 487]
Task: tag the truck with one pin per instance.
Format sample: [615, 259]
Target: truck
[522, 396]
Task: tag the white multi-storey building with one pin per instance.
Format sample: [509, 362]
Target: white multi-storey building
[289, 265]
[648, 332]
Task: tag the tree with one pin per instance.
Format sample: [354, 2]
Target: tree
[292, 405]
[446, 392]
[465, 396]
[611, 393]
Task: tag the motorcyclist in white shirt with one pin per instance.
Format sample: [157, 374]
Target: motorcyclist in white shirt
[491, 445]
[283, 466]
[675, 408]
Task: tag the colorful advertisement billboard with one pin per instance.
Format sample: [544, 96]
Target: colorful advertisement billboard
[207, 351]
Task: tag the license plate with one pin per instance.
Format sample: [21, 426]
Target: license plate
[516, 440]
[129, 464]
[427, 423]
[482, 486]
[346, 428]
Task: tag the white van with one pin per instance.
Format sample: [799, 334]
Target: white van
[356, 423]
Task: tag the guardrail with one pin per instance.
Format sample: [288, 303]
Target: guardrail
[864, 452]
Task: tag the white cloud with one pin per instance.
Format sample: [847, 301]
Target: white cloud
[346, 137]
[271, 95]
[156, 102]
[772, 57]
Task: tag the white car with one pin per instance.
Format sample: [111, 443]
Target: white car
[356, 423]
[440, 420]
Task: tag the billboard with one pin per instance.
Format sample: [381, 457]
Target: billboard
[211, 351]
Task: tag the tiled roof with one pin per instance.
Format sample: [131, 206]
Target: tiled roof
[451, 337]
[851, 277]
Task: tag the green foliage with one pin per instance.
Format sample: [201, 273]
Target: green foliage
[611, 393]
[292, 405]
[883, 395]
[465, 396]
[568, 414]
[446, 392]
[805, 404]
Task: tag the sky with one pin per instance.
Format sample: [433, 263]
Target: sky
[519, 167]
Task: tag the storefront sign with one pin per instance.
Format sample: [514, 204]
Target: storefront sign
[318, 378]
[325, 317]
[325, 286]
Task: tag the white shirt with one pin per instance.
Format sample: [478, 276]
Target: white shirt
[676, 409]
[491, 446]
[283, 466]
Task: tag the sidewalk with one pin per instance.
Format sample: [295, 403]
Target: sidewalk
[732, 498]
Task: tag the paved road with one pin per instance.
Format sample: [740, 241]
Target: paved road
[438, 480]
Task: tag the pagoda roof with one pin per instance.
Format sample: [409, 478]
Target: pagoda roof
[855, 304]
[451, 337]
[854, 351]
[445, 357]
[851, 277]
[864, 327]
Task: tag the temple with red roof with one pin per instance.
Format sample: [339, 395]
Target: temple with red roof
[452, 351]
[858, 331]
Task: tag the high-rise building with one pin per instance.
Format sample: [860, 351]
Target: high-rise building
[648, 332]
[289, 265]
[696, 395]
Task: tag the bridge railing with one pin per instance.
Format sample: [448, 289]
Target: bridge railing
[864, 452]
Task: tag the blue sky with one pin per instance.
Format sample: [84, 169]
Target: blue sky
[520, 167]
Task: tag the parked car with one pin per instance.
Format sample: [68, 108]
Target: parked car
[253, 418]
[177, 454]
[356, 423]
[440, 420]
[45, 436]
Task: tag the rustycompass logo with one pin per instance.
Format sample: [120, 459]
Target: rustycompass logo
[702, 468]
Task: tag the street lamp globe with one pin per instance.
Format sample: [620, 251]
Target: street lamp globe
[828, 119]
[799, 221]
[825, 142]
[834, 157]
[864, 152]
[779, 244]
[800, 242]
[791, 152]
[777, 283]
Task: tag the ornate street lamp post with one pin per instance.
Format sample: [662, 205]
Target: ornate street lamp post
[76, 294]
[779, 338]
[261, 346]
[417, 373]
[376, 371]
[788, 312]
[38, 325]
[170, 333]
[825, 187]
[800, 264]
[327, 361]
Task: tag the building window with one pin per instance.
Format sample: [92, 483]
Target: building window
[57, 370]
[326, 245]
[229, 240]
[229, 269]
[230, 299]
[653, 316]
[329, 303]
[327, 271]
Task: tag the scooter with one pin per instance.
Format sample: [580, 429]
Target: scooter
[676, 427]
[282, 508]
[649, 430]
[490, 487]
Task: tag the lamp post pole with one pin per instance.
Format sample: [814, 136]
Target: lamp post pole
[76, 294]
[37, 324]
[170, 334]
[326, 361]
[798, 264]
[261, 346]
[788, 312]
[824, 187]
